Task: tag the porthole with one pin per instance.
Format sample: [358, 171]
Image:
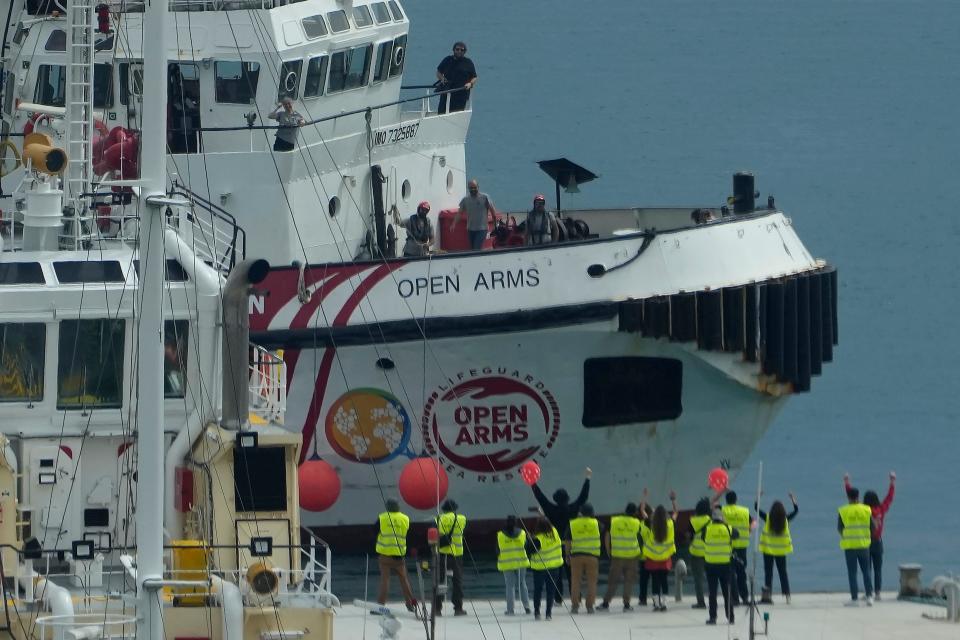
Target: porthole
[333, 208]
[449, 181]
[405, 190]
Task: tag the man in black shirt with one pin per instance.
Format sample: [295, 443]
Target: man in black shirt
[560, 511]
[456, 72]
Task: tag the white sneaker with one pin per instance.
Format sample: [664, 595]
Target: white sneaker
[852, 603]
[869, 601]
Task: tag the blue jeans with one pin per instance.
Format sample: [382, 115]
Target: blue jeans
[514, 580]
[477, 238]
[858, 557]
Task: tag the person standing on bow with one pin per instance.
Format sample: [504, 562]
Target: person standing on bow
[392, 527]
[476, 206]
[583, 550]
[775, 545]
[560, 511]
[290, 123]
[512, 562]
[419, 232]
[450, 526]
[623, 547]
[657, 531]
[541, 227]
[455, 72]
[879, 510]
[855, 525]
[546, 560]
[739, 518]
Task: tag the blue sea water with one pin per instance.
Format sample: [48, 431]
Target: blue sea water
[847, 112]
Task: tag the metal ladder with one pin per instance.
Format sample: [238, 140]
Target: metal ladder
[79, 119]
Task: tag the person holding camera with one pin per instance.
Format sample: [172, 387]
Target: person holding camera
[450, 526]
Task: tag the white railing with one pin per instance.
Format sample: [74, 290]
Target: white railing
[86, 625]
[268, 385]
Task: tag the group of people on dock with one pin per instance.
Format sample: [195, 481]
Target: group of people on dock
[568, 540]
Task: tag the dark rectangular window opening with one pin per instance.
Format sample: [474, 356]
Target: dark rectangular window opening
[96, 517]
[260, 479]
[74, 271]
[621, 391]
[21, 273]
[22, 353]
[175, 271]
[90, 368]
[175, 341]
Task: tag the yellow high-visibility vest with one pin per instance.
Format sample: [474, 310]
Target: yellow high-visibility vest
[512, 553]
[585, 536]
[392, 539]
[717, 543]
[623, 537]
[452, 524]
[775, 544]
[738, 518]
[856, 526]
[696, 545]
[658, 551]
[550, 555]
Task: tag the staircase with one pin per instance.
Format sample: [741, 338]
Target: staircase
[79, 119]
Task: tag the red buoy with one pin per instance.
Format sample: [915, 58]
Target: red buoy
[319, 485]
[530, 472]
[423, 483]
[718, 479]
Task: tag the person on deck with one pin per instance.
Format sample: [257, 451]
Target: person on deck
[546, 559]
[775, 545]
[718, 539]
[290, 123]
[699, 520]
[855, 525]
[623, 547]
[455, 72]
[559, 513]
[419, 232]
[512, 562]
[541, 227]
[657, 531]
[583, 550]
[476, 206]
[879, 510]
[450, 526]
[739, 518]
[392, 527]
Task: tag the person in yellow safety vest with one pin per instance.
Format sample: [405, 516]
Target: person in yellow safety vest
[775, 545]
[738, 518]
[623, 547]
[546, 560]
[583, 553]
[392, 527]
[512, 562]
[855, 524]
[718, 538]
[646, 512]
[450, 526]
[658, 549]
[699, 519]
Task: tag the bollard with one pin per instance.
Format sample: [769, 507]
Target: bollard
[909, 580]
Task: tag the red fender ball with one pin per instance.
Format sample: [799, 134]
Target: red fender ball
[423, 483]
[319, 485]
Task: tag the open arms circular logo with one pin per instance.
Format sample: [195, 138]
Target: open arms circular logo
[368, 425]
[490, 420]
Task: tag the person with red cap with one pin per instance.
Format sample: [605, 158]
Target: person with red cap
[541, 226]
[419, 232]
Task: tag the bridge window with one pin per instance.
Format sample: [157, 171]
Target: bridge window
[399, 55]
[316, 76]
[21, 273]
[380, 12]
[175, 333]
[290, 79]
[349, 69]
[236, 82]
[22, 348]
[361, 15]
[103, 85]
[51, 85]
[395, 10]
[131, 81]
[384, 49]
[90, 371]
[56, 41]
[77, 271]
[624, 391]
[314, 27]
[338, 21]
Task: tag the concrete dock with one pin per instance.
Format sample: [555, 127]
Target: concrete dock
[819, 615]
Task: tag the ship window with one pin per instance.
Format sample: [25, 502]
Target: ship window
[103, 43]
[175, 340]
[290, 79]
[349, 69]
[380, 12]
[128, 88]
[96, 517]
[103, 85]
[76, 271]
[236, 82]
[314, 27]
[22, 348]
[399, 55]
[57, 41]
[260, 478]
[395, 10]
[338, 21]
[384, 49]
[21, 273]
[621, 391]
[175, 272]
[316, 76]
[51, 85]
[90, 371]
[361, 15]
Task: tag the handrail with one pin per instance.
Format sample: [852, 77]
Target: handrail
[236, 236]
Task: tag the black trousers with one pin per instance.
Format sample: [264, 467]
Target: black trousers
[454, 564]
[456, 101]
[659, 582]
[876, 561]
[718, 575]
[283, 145]
[738, 579]
[547, 580]
[781, 562]
[644, 582]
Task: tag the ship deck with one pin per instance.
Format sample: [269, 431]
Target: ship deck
[812, 615]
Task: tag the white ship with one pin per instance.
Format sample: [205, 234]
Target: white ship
[645, 345]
